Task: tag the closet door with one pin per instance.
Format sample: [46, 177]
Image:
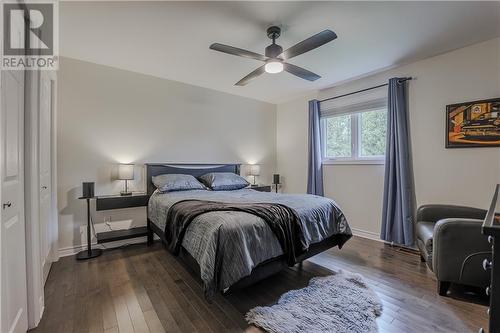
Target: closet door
[13, 294]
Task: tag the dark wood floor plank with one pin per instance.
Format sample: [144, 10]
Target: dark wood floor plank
[95, 322]
[199, 304]
[112, 330]
[134, 309]
[80, 311]
[185, 306]
[180, 318]
[108, 314]
[220, 306]
[164, 315]
[70, 296]
[122, 315]
[153, 322]
[141, 289]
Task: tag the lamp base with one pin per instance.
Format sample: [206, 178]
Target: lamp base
[86, 254]
[125, 193]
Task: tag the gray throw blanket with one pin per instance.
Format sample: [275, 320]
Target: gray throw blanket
[282, 220]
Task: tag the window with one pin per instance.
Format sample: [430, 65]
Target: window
[356, 137]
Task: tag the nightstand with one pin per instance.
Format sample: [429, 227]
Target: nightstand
[107, 202]
[262, 188]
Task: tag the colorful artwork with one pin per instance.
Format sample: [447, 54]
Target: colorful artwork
[473, 124]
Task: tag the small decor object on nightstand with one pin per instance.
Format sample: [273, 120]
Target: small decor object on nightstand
[87, 189]
[126, 173]
[276, 181]
[254, 171]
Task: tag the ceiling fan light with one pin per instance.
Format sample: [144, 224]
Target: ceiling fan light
[274, 67]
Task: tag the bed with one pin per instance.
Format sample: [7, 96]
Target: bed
[231, 250]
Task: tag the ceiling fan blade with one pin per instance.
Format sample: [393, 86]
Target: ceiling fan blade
[237, 51]
[309, 44]
[251, 76]
[301, 72]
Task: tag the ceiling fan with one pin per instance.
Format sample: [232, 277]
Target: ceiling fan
[275, 56]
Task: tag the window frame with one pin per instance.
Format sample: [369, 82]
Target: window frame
[355, 157]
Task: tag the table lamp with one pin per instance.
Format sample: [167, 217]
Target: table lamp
[126, 173]
[254, 171]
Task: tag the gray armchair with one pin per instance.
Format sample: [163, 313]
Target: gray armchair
[450, 241]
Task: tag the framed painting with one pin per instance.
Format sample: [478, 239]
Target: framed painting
[473, 124]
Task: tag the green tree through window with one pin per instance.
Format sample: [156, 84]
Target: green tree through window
[338, 137]
[373, 133]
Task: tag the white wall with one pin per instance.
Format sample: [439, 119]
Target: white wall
[454, 176]
[108, 116]
[291, 143]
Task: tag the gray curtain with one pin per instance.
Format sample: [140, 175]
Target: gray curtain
[397, 212]
[315, 168]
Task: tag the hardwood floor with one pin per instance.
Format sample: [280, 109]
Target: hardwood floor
[141, 289]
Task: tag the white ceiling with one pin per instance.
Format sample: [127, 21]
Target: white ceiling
[171, 39]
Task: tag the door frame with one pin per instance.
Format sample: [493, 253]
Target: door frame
[54, 211]
[35, 276]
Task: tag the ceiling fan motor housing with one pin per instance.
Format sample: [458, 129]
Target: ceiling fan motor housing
[273, 51]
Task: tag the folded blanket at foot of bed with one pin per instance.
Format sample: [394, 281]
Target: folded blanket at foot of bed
[282, 220]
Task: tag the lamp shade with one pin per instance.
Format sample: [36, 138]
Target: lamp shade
[254, 170]
[125, 171]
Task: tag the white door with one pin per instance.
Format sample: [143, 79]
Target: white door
[12, 232]
[45, 183]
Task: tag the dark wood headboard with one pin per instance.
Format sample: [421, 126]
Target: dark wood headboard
[196, 170]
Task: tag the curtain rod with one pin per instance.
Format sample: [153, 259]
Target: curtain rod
[362, 90]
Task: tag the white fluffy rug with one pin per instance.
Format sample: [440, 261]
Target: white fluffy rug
[336, 303]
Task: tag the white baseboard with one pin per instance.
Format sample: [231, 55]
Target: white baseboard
[367, 234]
[376, 237]
[72, 250]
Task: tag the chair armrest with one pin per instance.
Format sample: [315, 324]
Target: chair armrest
[434, 213]
[459, 248]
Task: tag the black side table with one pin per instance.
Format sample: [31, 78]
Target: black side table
[89, 253]
[106, 202]
[261, 188]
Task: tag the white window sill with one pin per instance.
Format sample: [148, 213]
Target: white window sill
[360, 161]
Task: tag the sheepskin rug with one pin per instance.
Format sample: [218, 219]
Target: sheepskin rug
[336, 303]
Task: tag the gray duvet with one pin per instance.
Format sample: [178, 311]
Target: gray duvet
[246, 239]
